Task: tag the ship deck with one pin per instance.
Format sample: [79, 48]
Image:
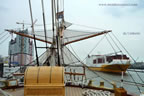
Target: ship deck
[69, 91]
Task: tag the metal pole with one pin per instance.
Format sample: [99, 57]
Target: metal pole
[122, 80]
[44, 22]
[33, 32]
[10, 59]
[58, 36]
[52, 17]
[57, 30]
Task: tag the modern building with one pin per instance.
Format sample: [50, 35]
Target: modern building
[21, 50]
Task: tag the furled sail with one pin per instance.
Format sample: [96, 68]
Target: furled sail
[68, 36]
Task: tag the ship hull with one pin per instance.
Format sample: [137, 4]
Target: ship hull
[114, 68]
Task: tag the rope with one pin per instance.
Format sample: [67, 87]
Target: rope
[79, 35]
[27, 64]
[122, 63]
[88, 26]
[1, 33]
[115, 51]
[111, 45]
[95, 46]
[73, 50]
[93, 71]
[133, 70]
[5, 39]
[129, 55]
[135, 82]
[3, 36]
[114, 42]
[133, 60]
[70, 59]
[110, 82]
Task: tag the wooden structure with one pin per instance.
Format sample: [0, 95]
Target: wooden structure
[44, 81]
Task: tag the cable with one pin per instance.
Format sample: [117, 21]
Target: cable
[133, 60]
[115, 53]
[132, 70]
[111, 45]
[1, 33]
[80, 35]
[128, 54]
[130, 75]
[74, 52]
[88, 26]
[129, 72]
[5, 39]
[114, 42]
[122, 63]
[95, 46]
[3, 36]
[91, 70]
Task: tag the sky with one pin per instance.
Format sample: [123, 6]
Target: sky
[124, 17]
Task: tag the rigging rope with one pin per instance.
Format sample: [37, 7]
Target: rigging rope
[88, 26]
[91, 70]
[133, 60]
[111, 45]
[128, 71]
[5, 39]
[118, 47]
[75, 52]
[128, 54]
[23, 67]
[114, 42]
[1, 33]
[3, 36]
[109, 79]
[115, 52]
[95, 46]
[80, 35]
[68, 56]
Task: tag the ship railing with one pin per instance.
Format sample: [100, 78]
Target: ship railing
[3, 93]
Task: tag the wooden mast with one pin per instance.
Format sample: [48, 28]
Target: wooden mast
[25, 35]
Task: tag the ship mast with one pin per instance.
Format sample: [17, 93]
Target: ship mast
[55, 53]
[58, 19]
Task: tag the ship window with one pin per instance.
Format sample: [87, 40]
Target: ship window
[109, 59]
[100, 60]
[118, 57]
[94, 61]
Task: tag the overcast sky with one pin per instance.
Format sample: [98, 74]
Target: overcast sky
[124, 17]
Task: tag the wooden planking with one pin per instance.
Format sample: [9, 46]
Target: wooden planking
[69, 91]
[73, 91]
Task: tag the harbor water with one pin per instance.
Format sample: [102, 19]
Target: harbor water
[130, 78]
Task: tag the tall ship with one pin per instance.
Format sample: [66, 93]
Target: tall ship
[58, 71]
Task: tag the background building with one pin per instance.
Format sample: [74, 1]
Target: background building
[1, 66]
[21, 50]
